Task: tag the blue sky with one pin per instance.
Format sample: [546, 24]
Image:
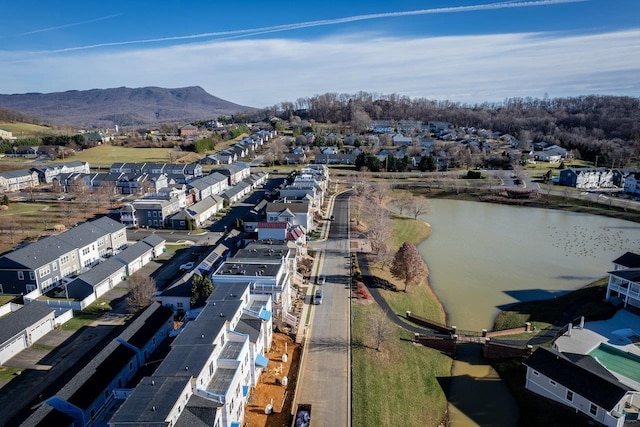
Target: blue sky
[262, 53]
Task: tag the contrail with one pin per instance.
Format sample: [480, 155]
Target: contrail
[324, 22]
[75, 24]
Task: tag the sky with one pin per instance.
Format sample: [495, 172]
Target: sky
[259, 53]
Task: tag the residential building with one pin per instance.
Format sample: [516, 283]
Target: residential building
[209, 185]
[586, 178]
[196, 214]
[234, 172]
[48, 173]
[188, 131]
[582, 384]
[211, 367]
[297, 213]
[624, 285]
[6, 134]
[17, 180]
[42, 265]
[631, 184]
[153, 213]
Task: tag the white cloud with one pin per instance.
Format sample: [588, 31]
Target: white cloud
[266, 72]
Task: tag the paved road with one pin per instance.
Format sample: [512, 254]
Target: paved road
[326, 374]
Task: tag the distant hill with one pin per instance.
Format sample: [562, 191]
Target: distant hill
[122, 106]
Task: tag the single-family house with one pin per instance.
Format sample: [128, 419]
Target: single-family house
[188, 131]
[632, 184]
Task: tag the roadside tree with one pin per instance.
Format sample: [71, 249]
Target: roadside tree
[408, 265]
[380, 329]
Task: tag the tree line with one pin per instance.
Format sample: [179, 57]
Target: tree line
[596, 126]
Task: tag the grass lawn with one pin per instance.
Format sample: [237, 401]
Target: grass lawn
[7, 373]
[6, 298]
[108, 154]
[87, 316]
[398, 385]
[24, 130]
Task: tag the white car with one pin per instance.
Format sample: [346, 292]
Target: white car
[187, 266]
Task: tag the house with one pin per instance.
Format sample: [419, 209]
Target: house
[5, 134]
[329, 150]
[42, 265]
[400, 140]
[582, 384]
[628, 260]
[297, 213]
[148, 212]
[23, 151]
[265, 268]
[188, 131]
[211, 367]
[234, 172]
[632, 184]
[586, 178]
[47, 174]
[22, 327]
[98, 386]
[17, 180]
[209, 185]
[624, 284]
[196, 214]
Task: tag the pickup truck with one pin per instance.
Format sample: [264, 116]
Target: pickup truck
[302, 417]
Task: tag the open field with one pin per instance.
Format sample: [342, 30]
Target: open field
[24, 130]
[108, 154]
[398, 385]
[26, 222]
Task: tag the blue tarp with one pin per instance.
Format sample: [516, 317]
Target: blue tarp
[261, 361]
[245, 390]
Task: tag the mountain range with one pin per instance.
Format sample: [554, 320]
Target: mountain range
[101, 108]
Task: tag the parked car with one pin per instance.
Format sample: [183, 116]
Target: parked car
[187, 266]
[333, 218]
[317, 299]
[322, 280]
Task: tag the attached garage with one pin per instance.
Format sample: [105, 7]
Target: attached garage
[12, 347]
[136, 256]
[21, 328]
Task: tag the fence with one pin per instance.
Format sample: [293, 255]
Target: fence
[439, 327]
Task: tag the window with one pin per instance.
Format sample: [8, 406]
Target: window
[30, 288]
[180, 305]
[569, 395]
[20, 275]
[55, 267]
[64, 259]
[149, 214]
[32, 275]
[44, 271]
[593, 409]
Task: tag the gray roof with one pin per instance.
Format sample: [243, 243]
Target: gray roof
[629, 260]
[251, 326]
[151, 400]
[154, 240]
[302, 207]
[204, 205]
[247, 269]
[100, 272]
[603, 391]
[134, 252]
[15, 322]
[199, 412]
[208, 181]
[37, 254]
[185, 360]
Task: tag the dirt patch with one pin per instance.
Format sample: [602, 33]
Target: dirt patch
[270, 389]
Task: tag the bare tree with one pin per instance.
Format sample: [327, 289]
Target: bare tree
[379, 227]
[408, 265]
[380, 329]
[419, 206]
[380, 191]
[141, 292]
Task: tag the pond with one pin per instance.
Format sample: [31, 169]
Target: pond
[483, 257]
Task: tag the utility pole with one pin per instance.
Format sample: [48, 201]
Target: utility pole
[597, 161]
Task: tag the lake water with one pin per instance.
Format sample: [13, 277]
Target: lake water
[483, 257]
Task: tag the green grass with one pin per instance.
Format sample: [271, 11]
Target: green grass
[87, 316]
[397, 385]
[408, 230]
[42, 347]
[23, 130]
[108, 154]
[4, 299]
[23, 208]
[8, 373]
